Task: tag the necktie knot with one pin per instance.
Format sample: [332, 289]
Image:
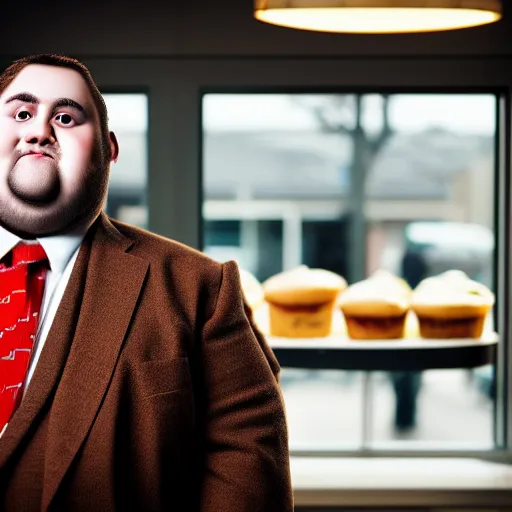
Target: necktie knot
[25, 253]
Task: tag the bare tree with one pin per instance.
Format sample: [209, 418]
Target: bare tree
[342, 114]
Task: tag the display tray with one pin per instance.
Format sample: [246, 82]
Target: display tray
[337, 352]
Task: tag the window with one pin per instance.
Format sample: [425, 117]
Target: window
[128, 176]
[353, 183]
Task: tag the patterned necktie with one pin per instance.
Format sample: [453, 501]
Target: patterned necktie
[21, 293]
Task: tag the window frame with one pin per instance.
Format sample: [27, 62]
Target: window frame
[129, 89]
[175, 87]
[301, 357]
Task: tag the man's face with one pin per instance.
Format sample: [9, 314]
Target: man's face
[52, 177]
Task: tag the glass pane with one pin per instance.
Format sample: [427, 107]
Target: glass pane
[324, 408]
[450, 409]
[128, 119]
[355, 183]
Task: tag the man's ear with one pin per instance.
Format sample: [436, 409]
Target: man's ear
[114, 147]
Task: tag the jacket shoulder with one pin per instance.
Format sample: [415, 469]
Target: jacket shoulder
[156, 247]
[179, 271]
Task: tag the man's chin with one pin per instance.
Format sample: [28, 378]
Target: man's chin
[73, 209]
[31, 230]
[46, 223]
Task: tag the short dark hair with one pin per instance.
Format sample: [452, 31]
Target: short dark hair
[51, 59]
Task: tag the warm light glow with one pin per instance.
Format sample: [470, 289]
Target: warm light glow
[377, 20]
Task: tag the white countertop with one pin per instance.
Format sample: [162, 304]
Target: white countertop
[393, 482]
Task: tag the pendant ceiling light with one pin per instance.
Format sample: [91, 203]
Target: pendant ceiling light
[378, 16]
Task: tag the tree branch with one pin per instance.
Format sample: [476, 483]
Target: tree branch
[386, 132]
[327, 126]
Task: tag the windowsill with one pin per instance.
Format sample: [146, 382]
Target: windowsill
[358, 482]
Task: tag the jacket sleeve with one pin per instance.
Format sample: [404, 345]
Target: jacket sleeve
[246, 439]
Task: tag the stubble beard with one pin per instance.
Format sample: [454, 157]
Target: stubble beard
[76, 211]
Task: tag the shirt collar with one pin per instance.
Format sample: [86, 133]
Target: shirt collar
[58, 248]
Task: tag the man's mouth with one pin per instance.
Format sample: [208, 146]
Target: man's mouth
[36, 154]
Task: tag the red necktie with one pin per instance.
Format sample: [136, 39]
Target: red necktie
[21, 293]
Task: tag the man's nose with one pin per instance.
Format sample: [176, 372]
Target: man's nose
[39, 133]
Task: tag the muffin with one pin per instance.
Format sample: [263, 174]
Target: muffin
[339, 327]
[412, 328]
[376, 308]
[252, 289]
[301, 302]
[254, 296]
[451, 306]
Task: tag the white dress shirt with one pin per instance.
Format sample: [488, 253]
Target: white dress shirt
[62, 251]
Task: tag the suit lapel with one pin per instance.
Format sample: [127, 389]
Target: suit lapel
[52, 359]
[113, 285]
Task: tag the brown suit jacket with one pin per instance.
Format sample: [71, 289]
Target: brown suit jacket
[154, 390]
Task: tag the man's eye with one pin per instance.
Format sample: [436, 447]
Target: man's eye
[22, 115]
[64, 119]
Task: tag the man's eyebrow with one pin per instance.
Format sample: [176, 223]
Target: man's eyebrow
[26, 97]
[67, 102]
